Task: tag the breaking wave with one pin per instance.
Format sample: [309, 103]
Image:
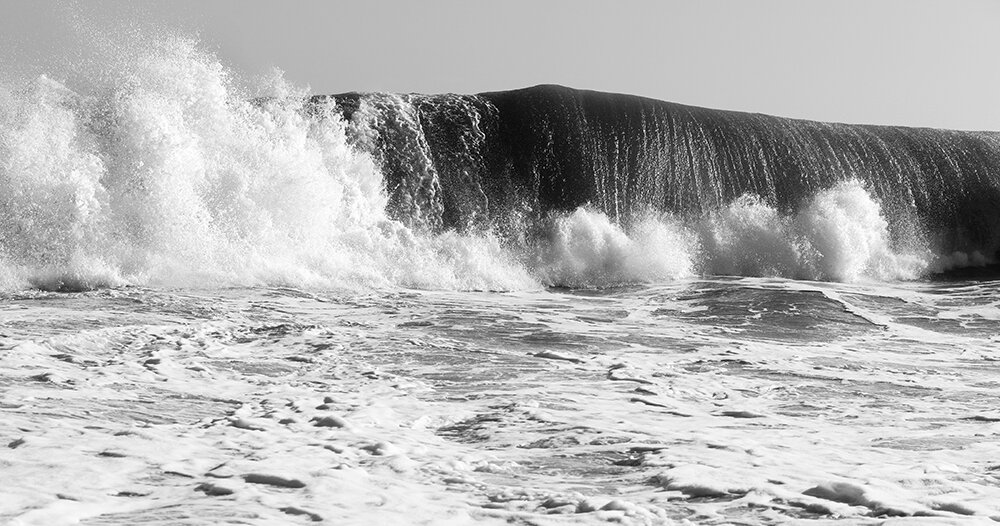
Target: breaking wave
[171, 176]
[174, 178]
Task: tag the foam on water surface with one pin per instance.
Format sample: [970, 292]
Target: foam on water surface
[208, 314]
[750, 400]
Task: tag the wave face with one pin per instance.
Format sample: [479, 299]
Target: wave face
[549, 148]
[161, 173]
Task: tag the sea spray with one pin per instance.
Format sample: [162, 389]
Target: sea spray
[551, 149]
[849, 237]
[586, 249]
[749, 238]
[840, 234]
[52, 205]
[173, 177]
[168, 175]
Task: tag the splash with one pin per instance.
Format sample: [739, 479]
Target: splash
[585, 249]
[839, 235]
[175, 178]
[168, 175]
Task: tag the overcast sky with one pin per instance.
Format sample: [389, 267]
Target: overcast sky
[911, 62]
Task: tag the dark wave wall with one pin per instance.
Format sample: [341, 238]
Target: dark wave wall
[464, 161]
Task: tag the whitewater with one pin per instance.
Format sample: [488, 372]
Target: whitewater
[535, 307]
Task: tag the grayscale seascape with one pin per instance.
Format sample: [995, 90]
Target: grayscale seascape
[539, 306]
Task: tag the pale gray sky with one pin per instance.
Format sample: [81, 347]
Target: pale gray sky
[911, 62]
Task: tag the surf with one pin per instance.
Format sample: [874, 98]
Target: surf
[166, 173]
[555, 148]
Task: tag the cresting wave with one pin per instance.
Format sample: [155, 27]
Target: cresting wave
[172, 177]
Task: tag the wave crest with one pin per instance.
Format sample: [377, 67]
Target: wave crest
[171, 176]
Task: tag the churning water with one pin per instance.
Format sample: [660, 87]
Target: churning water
[534, 307]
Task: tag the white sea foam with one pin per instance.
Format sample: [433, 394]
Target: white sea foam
[839, 235]
[758, 401]
[173, 177]
[585, 249]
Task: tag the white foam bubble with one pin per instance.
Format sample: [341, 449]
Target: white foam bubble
[585, 249]
[840, 234]
[850, 236]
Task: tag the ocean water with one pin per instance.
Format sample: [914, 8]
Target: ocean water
[217, 307]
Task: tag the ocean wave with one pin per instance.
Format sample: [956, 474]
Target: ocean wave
[168, 175]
